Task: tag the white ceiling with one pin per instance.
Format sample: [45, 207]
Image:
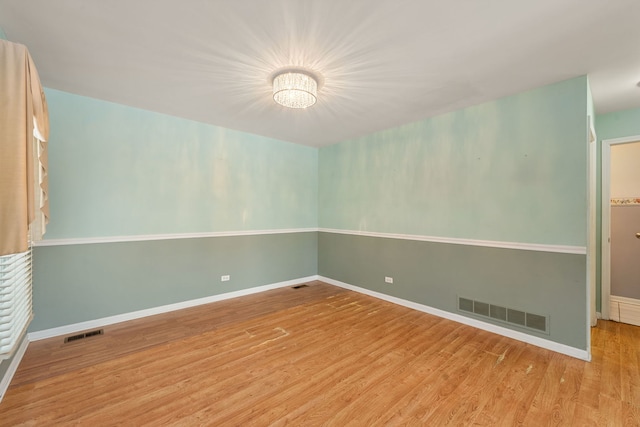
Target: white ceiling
[383, 62]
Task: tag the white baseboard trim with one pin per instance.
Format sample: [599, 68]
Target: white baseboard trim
[13, 367]
[625, 310]
[520, 336]
[581, 250]
[105, 321]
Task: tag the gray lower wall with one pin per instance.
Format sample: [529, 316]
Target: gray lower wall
[434, 274]
[76, 283]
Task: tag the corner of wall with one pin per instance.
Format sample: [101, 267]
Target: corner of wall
[9, 366]
[475, 185]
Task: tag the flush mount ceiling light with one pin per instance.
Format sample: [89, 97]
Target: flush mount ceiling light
[295, 89]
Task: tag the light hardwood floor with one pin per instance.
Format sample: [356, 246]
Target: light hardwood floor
[320, 355]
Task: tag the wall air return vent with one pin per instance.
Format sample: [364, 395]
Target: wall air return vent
[507, 315]
[84, 335]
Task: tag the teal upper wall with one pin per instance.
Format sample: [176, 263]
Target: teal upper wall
[118, 171]
[513, 169]
[618, 124]
[3, 36]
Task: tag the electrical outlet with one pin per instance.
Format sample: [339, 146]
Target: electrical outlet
[225, 278]
[388, 280]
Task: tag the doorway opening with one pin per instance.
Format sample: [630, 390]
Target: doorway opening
[620, 201]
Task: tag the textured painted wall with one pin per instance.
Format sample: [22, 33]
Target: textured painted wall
[509, 170]
[513, 170]
[117, 170]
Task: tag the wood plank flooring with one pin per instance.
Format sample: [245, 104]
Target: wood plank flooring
[320, 355]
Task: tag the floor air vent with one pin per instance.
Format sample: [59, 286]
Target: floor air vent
[84, 335]
[504, 314]
[299, 286]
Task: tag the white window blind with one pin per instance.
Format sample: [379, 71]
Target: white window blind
[15, 271]
[15, 300]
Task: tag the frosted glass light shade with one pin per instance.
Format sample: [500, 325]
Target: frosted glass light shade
[295, 90]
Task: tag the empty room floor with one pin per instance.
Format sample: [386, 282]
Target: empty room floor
[320, 355]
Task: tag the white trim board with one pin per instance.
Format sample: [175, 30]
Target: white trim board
[5, 381]
[580, 250]
[625, 310]
[509, 333]
[106, 321]
[147, 237]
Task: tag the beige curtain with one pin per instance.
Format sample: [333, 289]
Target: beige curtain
[22, 104]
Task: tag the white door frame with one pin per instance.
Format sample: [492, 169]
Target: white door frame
[591, 229]
[605, 237]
